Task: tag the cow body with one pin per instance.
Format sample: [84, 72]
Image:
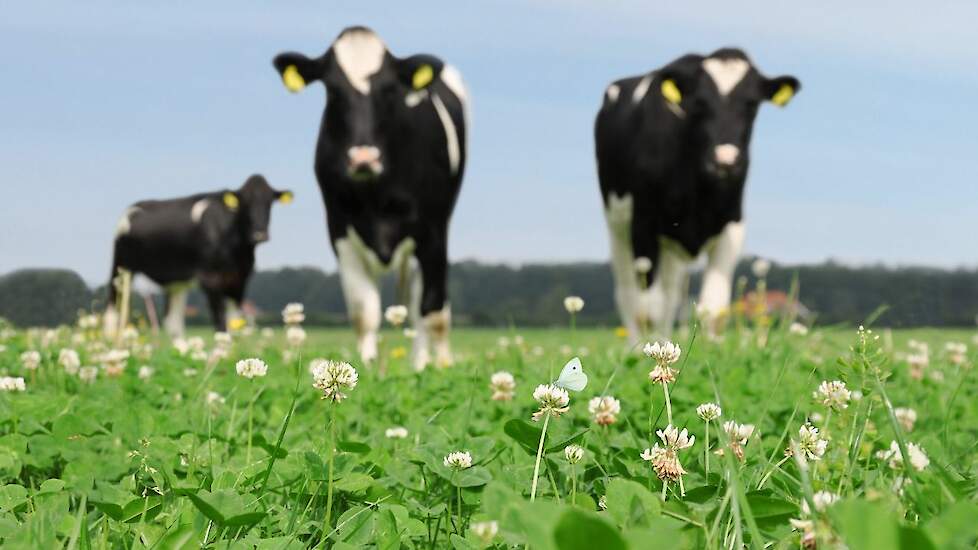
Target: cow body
[672, 154]
[389, 162]
[207, 238]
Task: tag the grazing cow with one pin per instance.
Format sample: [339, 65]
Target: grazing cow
[389, 162]
[672, 153]
[209, 238]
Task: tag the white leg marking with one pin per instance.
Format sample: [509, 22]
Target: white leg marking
[362, 297]
[438, 324]
[618, 216]
[722, 255]
[420, 354]
[176, 310]
[110, 321]
[451, 135]
[726, 73]
[666, 294]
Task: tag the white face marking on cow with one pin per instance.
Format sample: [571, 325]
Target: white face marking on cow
[726, 73]
[612, 93]
[197, 211]
[360, 54]
[124, 225]
[451, 134]
[641, 88]
[726, 154]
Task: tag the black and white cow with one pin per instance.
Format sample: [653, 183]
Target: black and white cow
[672, 152]
[208, 238]
[389, 162]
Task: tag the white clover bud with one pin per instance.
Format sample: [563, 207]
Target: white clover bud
[251, 368]
[574, 453]
[573, 304]
[709, 411]
[396, 315]
[458, 460]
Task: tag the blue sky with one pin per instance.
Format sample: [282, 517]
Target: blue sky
[105, 103]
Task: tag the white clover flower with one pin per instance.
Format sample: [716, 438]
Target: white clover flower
[503, 386]
[68, 358]
[811, 443]
[88, 322]
[218, 353]
[798, 329]
[485, 531]
[833, 394]
[397, 432]
[130, 334]
[145, 372]
[11, 383]
[709, 411]
[738, 432]
[114, 361]
[31, 359]
[662, 375]
[553, 401]
[199, 355]
[643, 265]
[295, 335]
[181, 345]
[196, 343]
[333, 378]
[396, 315]
[674, 439]
[760, 268]
[213, 398]
[665, 462]
[190, 372]
[822, 499]
[503, 342]
[573, 304]
[906, 416]
[222, 339]
[956, 352]
[604, 410]
[251, 367]
[267, 333]
[664, 354]
[574, 453]
[458, 460]
[87, 374]
[293, 314]
[918, 459]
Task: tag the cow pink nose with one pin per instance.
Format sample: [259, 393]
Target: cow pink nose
[363, 154]
[726, 154]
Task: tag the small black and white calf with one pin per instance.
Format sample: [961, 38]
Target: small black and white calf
[389, 162]
[672, 153]
[207, 238]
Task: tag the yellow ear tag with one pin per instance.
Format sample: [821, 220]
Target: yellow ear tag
[783, 95]
[237, 323]
[422, 77]
[292, 79]
[671, 92]
[285, 198]
[231, 201]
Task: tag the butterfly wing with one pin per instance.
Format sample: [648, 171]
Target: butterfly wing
[572, 376]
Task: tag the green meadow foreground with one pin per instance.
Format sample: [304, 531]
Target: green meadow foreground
[153, 450]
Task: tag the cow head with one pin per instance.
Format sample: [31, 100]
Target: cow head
[719, 95]
[253, 205]
[367, 88]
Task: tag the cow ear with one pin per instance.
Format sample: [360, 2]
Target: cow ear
[231, 200]
[780, 90]
[297, 70]
[284, 197]
[419, 71]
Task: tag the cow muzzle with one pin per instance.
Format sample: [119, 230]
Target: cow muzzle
[364, 163]
[725, 161]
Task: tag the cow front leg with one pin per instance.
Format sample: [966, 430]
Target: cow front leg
[362, 298]
[667, 292]
[435, 311]
[215, 301]
[176, 309]
[714, 300]
[618, 217]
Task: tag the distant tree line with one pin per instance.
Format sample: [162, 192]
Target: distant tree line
[532, 294]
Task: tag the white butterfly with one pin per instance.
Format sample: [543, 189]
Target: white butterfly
[572, 377]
